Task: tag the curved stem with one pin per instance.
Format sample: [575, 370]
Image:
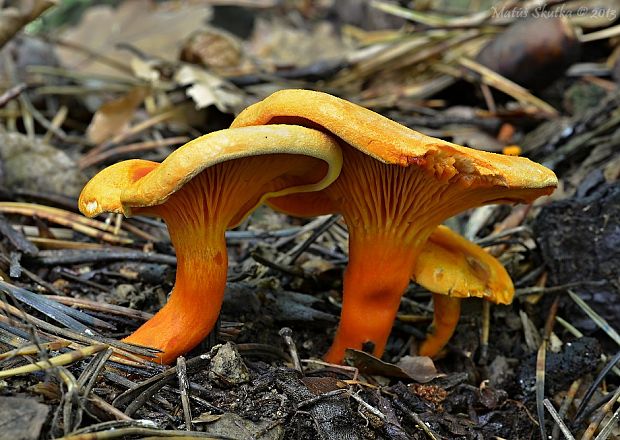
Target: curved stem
[447, 311]
[377, 275]
[194, 304]
[197, 216]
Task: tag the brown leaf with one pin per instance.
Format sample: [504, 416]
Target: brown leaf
[13, 18]
[280, 44]
[114, 116]
[418, 368]
[155, 29]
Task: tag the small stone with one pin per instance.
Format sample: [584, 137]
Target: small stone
[499, 372]
[34, 165]
[227, 367]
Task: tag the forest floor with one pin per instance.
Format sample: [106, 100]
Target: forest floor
[87, 85]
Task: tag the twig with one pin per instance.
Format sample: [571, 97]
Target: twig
[596, 421]
[84, 49]
[327, 395]
[581, 410]
[57, 121]
[484, 334]
[154, 120]
[606, 33]
[184, 388]
[298, 250]
[566, 403]
[62, 359]
[341, 369]
[503, 84]
[94, 159]
[86, 382]
[525, 291]
[417, 420]
[107, 408]
[143, 432]
[86, 226]
[310, 226]
[13, 18]
[16, 238]
[11, 94]
[558, 420]
[31, 349]
[68, 400]
[540, 387]
[296, 272]
[72, 256]
[604, 325]
[287, 335]
[379, 414]
[609, 426]
[102, 307]
[138, 395]
[124, 349]
[541, 358]
[488, 97]
[427, 19]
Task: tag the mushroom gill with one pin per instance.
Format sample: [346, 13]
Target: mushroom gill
[395, 188]
[206, 186]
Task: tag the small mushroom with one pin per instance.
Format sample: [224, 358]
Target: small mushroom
[395, 188]
[453, 267]
[206, 186]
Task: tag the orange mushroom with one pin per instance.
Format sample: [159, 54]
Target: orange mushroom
[452, 268]
[395, 188]
[206, 186]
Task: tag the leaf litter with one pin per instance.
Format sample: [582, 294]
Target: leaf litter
[166, 72]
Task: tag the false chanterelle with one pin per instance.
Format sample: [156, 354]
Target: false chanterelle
[396, 186]
[206, 186]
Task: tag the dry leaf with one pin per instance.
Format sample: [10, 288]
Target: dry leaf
[13, 18]
[145, 69]
[114, 116]
[208, 89]
[207, 417]
[155, 29]
[418, 368]
[281, 44]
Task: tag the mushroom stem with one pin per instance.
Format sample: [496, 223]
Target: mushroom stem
[447, 311]
[377, 275]
[206, 186]
[194, 303]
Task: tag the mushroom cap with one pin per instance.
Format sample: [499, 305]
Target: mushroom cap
[451, 265]
[142, 183]
[392, 143]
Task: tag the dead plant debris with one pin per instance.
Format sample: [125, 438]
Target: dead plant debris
[86, 84]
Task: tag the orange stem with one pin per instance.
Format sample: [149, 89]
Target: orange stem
[377, 275]
[447, 311]
[195, 301]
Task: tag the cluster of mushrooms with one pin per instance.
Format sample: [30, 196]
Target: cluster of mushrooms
[307, 153]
